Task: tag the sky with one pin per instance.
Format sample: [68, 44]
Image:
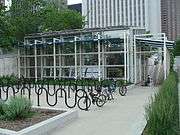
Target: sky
[74, 1]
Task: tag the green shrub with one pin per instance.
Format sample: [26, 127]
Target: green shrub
[18, 108]
[1, 107]
[163, 112]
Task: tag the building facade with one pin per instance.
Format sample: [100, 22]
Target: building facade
[139, 13]
[178, 18]
[169, 18]
[76, 7]
[98, 53]
[88, 53]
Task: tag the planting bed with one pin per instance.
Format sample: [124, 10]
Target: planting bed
[43, 122]
[40, 115]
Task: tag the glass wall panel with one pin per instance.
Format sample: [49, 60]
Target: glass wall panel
[114, 46]
[115, 59]
[115, 72]
[90, 59]
[67, 48]
[68, 60]
[89, 47]
[48, 61]
[30, 50]
[68, 72]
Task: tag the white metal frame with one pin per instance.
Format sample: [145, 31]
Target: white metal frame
[161, 37]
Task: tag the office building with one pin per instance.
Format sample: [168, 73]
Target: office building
[139, 13]
[170, 18]
[61, 4]
[76, 7]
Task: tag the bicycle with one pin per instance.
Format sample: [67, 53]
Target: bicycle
[123, 90]
[111, 88]
[98, 99]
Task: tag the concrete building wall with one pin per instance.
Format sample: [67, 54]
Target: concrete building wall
[153, 16]
[8, 65]
[141, 13]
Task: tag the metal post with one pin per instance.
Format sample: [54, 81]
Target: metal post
[35, 58]
[19, 65]
[41, 63]
[75, 53]
[60, 62]
[135, 62]
[127, 54]
[125, 57]
[80, 63]
[103, 61]
[54, 56]
[25, 66]
[165, 57]
[140, 65]
[99, 58]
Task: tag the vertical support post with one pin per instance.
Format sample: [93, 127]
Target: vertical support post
[80, 63]
[25, 66]
[165, 57]
[140, 65]
[19, 65]
[125, 56]
[60, 68]
[99, 58]
[135, 62]
[75, 53]
[41, 51]
[54, 56]
[103, 61]
[35, 58]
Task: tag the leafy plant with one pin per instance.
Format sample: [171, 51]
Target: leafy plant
[1, 107]
[177, 48]
[162, 113]
[16, 108]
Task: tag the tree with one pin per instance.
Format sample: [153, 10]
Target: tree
[56, 20]
[6, 31]
[177, 48]
[32, 16]
[26, 17]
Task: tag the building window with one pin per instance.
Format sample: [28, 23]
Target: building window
[139, 13]
[122, 13]
[135, 14]
[127, 12]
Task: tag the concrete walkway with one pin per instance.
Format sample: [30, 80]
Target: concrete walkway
[123, 116]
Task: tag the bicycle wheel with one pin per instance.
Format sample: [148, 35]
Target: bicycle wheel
[81, 93]
[84, 103]
[101, 100]
[123, 90]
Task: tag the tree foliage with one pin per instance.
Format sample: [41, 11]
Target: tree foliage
[55, 20]
[177, 48]
[26, 17]
[32, 16]
[6, 30]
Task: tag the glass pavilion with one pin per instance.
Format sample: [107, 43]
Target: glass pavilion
[88, 53]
